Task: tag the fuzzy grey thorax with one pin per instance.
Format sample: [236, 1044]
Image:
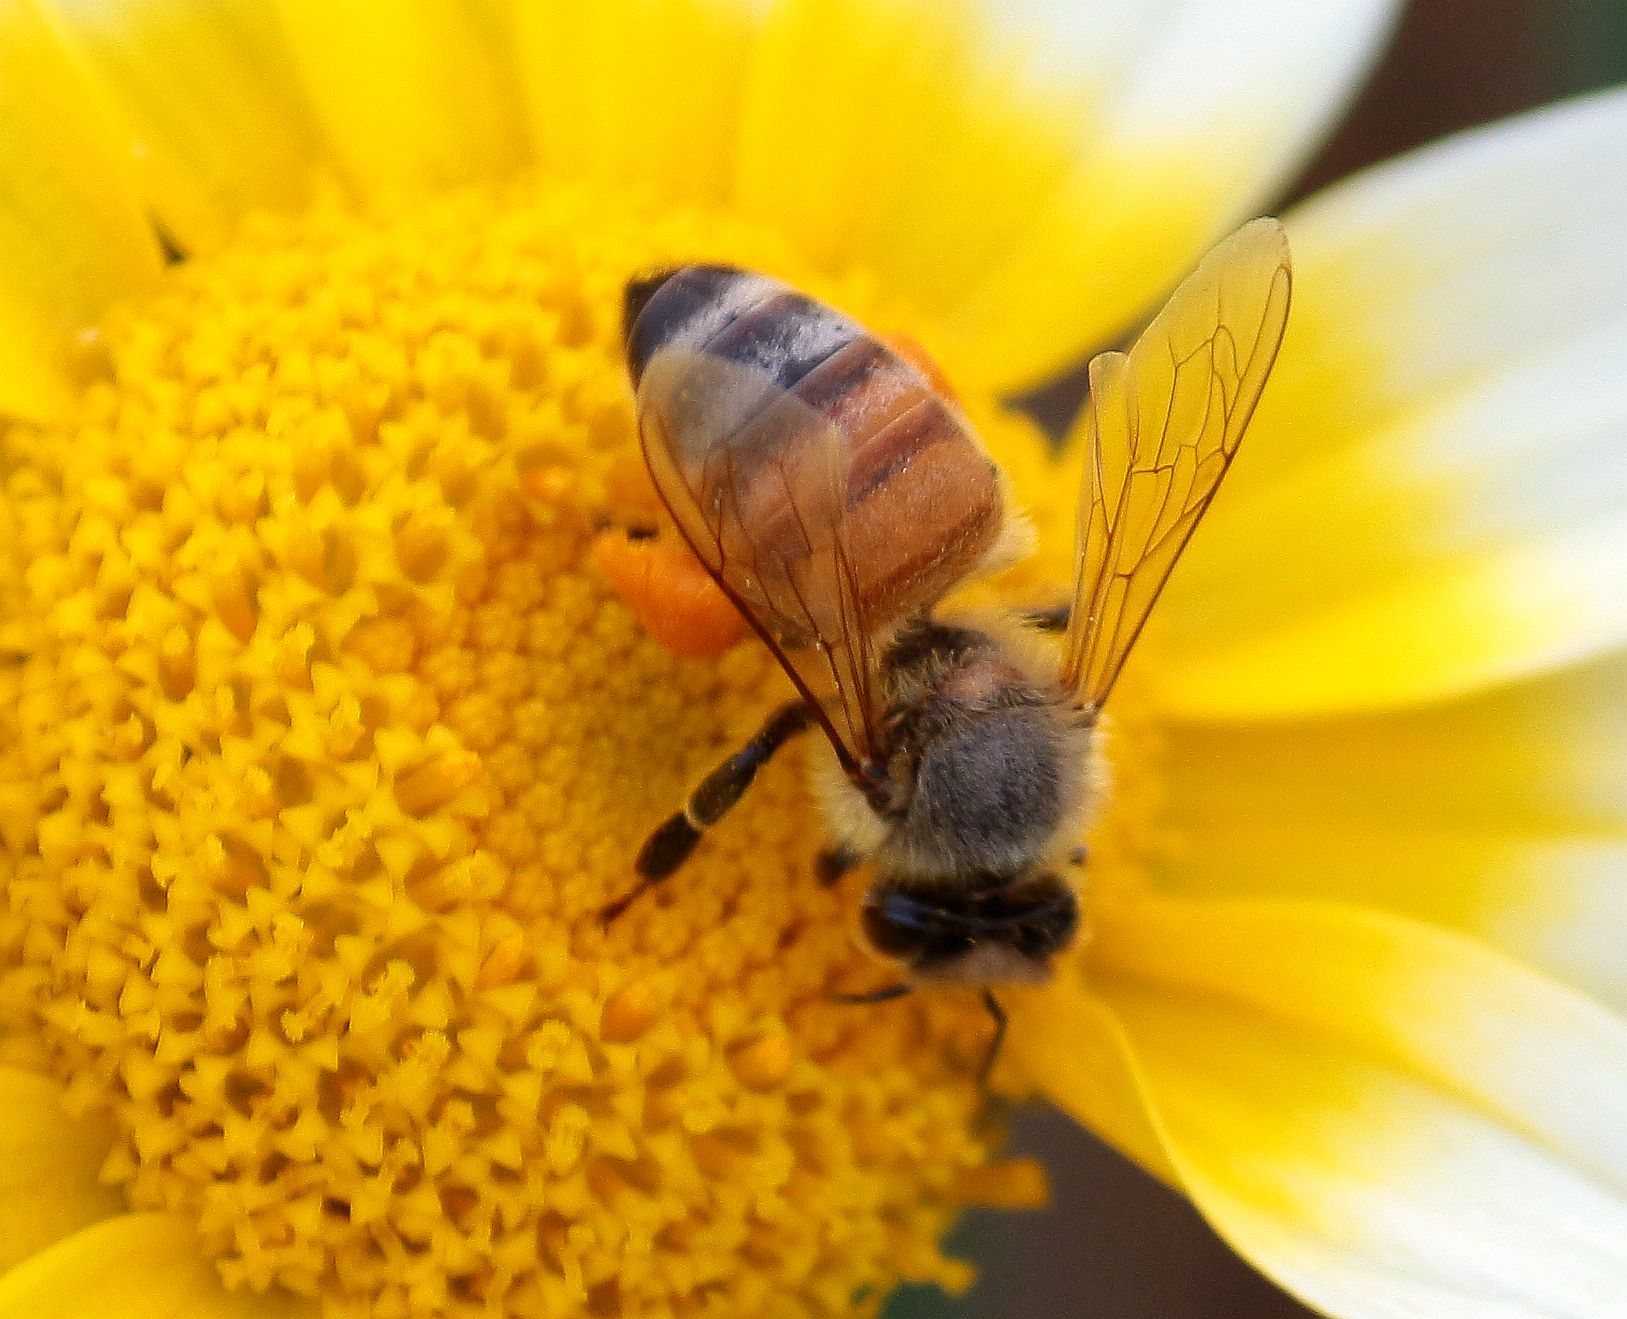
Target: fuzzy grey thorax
[982, 762]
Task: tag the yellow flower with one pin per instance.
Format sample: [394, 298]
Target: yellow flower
[324, 742]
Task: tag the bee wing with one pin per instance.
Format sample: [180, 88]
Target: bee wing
[757, 482]
[1164, 421]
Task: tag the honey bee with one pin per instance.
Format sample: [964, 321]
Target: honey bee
[836, 494]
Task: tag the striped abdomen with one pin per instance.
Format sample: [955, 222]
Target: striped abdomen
[779, 415]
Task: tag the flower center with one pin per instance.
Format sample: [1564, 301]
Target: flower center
[325, 745]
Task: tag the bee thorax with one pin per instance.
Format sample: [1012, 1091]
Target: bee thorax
[993, 768]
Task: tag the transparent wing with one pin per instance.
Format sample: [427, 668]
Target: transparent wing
[757, 482]
[1164, 421]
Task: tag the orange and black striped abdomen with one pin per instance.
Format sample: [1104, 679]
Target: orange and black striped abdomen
[752, 383]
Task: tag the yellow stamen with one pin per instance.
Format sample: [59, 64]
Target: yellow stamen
[765, 1064]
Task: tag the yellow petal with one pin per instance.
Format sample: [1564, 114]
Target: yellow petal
[413, 94]
[1386, 1119]
[213, 96]
[1430, 500]
[48, 1166]
[1502, 816]
[640, 92]
[136, 1266]
[1445, 629]
[1064, 1041]
[1198, 113]
[71, 222]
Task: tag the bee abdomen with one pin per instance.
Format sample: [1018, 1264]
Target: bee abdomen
[924, 504]
[732, 316]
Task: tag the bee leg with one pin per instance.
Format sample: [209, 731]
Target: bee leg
[834, 862]
[1054, 619]
[886, 994]
[999, 1015]
[674, 839]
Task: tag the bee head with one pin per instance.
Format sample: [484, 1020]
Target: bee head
[989, 930]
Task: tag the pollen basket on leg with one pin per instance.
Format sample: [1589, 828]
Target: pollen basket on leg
[326, 742]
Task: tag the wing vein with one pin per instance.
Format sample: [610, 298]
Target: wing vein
[1160, 479]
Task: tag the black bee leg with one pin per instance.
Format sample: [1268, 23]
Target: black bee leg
[674, 839]
[999, 1015]
[886, 994]
[834, 862]
[1054, 619]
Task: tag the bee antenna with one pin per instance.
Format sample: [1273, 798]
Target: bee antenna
[886, 994]
[999, 1015]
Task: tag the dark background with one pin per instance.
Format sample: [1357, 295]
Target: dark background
[1114, 1244]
